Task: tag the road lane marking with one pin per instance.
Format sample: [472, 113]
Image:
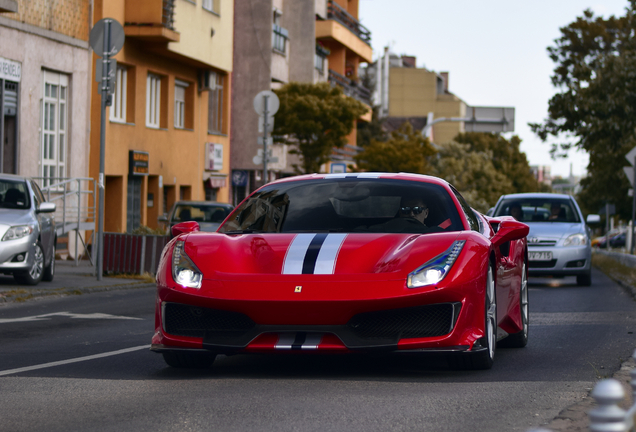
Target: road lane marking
[75, 360]
[66, 314]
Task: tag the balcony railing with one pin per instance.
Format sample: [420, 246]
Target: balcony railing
[337, 13]
[168, 14]
[350, 87]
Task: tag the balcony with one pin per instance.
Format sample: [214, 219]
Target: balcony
[337, 13]
[151, 20]
[8, 6]
[350, 87]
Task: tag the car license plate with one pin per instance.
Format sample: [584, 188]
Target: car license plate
[540, 256]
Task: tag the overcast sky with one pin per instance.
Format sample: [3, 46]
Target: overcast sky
[494, 50]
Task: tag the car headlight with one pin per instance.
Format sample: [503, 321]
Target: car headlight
[575, 240]
[184, 272]
[436, 269]
[17, 232]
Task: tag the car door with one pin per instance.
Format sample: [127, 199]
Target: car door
[46, 221]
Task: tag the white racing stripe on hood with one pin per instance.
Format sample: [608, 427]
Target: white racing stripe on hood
[296, 254]
[326, 262]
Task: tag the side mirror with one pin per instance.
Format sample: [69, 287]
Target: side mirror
[163, 218]
[46, 207]
[184, 228]
[593, 219]
[510, 229]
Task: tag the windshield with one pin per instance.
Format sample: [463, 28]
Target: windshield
[347, 205]
[200, 213]
[539, 210]
[14, 195]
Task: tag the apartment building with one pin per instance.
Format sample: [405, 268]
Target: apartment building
[281, 41]
[44, 80]
[403, 92]
[167, 133]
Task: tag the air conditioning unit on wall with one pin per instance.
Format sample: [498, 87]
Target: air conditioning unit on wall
[207, 80]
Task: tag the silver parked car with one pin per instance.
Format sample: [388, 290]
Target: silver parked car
[559, 241]
[27, 231]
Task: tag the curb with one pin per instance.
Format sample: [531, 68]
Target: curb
[22, 294]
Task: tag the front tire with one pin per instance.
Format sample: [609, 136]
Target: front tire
[33, 276]
[188, 360]
[484, 358]
[49, 270]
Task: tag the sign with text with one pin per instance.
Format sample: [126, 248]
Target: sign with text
[214, 156]
[138, 163]
[10, 70]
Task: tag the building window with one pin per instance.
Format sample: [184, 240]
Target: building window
[153, 101]
[320, 58]
[279, 39]
[118, 108]
[212, 6]
[54, 127]
[216, 103]
[180, 89]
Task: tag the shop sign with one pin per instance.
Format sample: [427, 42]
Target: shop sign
[138, 163]
[10, 70]
[214, 157]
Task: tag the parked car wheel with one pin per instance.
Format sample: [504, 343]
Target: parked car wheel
[34, 275]
[189, 360]
[49, 270]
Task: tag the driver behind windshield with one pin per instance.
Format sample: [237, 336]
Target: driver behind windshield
[414, 208]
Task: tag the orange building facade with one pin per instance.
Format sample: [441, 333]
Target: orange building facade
[167, 130]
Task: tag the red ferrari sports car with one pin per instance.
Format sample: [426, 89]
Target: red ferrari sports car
[342, 263]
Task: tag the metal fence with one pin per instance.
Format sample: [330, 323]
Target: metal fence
[132, 254]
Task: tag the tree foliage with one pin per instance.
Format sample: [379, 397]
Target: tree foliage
[313, 119]
[507, 158]
[595, 109]
[404, 151]
[472, 172]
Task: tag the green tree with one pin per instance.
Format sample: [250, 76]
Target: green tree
[313, 119]
[595, 108]
[507, 158]
[472, 172]
[405, 151]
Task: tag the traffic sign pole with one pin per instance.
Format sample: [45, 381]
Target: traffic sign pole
[102, 151]
[631, 249]
[265, 154]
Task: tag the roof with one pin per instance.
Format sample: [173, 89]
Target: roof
[366, 175]
[536, 195]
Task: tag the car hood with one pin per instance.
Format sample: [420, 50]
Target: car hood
[554, 230]
[389, 256]
[15, 217]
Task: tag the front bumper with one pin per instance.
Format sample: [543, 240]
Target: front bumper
[566, 261]
[10, 249]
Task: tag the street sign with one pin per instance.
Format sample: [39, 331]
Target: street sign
[631, 156]
[117, 36]
[629, 172]
[262, 141]
[270, 123]
[239, 178]
[273, 103]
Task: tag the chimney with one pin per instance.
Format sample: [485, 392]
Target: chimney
[445, 77]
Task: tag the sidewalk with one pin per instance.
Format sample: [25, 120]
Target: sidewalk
[68, 280]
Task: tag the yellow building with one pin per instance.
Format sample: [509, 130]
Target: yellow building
[349, 44]
[415, 92]
[170, 111]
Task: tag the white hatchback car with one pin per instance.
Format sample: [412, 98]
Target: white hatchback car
[559, 241]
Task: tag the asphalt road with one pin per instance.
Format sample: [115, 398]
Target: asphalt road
[82, 363]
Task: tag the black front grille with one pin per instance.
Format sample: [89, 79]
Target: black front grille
[185, 320]
[542, 264]
[422, 321]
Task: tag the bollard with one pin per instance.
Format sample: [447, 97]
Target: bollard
[608, 416]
